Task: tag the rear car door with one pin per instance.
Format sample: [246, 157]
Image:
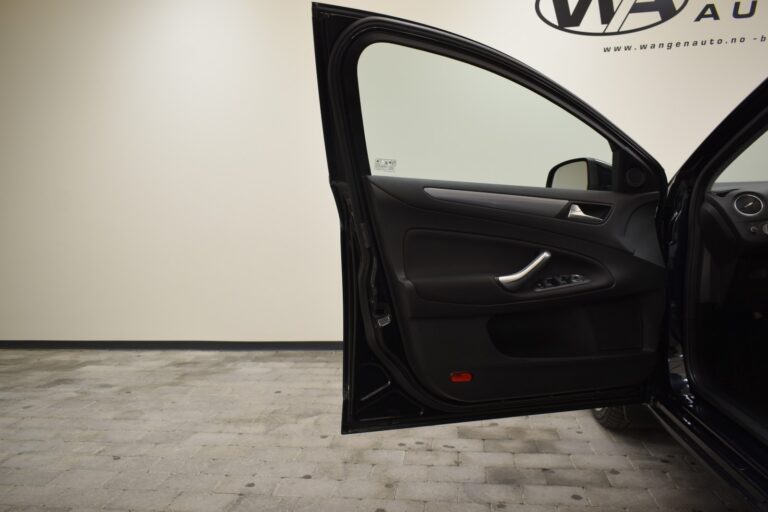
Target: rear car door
[499, 245]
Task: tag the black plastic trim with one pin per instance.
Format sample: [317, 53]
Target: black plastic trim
[544, 206]
[700, 428]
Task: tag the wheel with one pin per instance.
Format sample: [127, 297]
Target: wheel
[612, 417]
[624, 417]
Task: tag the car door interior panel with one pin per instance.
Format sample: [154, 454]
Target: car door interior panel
[516, 203]
[595, 304]
[479, 280]
[466, 269]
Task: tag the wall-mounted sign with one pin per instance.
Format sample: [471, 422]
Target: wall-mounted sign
[607, 17]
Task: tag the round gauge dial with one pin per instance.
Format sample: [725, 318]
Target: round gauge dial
[748, 204]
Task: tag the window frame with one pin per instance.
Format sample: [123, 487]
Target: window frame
[342, 70]
[716, 179]
[528, 120]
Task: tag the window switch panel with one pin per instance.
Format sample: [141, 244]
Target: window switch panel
[549, 283]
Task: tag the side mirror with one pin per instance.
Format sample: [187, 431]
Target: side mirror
[581, 174]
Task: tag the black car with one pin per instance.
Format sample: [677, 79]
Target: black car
[507, 250]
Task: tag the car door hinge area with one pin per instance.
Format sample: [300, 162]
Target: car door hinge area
[382, 316]
[380, 310]
[364, 230]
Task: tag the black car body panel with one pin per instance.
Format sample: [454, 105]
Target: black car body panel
[680, 403]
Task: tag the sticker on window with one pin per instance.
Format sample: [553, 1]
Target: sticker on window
[385, 164]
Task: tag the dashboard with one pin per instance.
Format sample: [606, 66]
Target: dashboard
[736, 213]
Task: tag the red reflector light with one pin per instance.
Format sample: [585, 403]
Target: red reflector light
[461, 377]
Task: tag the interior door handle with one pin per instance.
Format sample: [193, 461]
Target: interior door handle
[513, 281]
[576, 213]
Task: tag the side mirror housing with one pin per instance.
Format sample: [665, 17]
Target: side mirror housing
[581, 174]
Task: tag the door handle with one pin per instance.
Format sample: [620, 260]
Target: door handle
[512, 282]
[576, 213]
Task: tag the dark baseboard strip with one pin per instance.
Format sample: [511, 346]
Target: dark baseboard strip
[171, 345]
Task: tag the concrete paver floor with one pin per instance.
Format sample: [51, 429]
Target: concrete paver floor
[259, 431]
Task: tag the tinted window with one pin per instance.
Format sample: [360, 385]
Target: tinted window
[750, 165]
[432, 117]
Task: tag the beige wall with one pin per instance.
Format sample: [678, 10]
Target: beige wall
[162, 174]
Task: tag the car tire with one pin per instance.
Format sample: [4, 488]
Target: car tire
[614, 418]
[624, 417]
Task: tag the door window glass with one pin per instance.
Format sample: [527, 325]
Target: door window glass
[431, 117]
[750, 165]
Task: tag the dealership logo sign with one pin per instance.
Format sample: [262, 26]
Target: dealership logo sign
[607, 17]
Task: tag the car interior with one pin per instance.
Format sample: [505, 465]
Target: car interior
[730, 338]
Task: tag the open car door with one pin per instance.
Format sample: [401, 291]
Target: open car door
[499, 245]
